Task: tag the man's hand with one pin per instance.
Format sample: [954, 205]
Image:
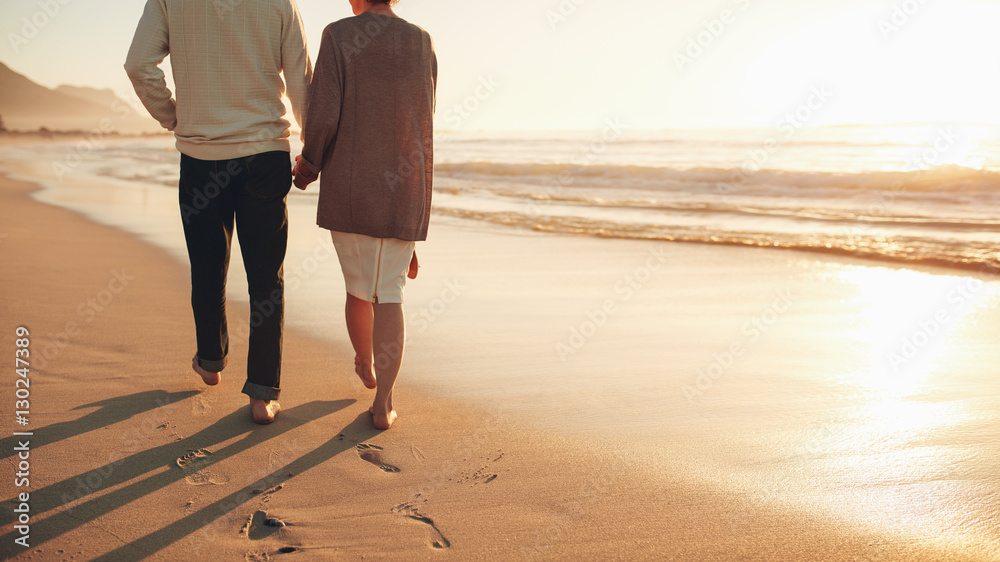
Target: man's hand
[301, 176]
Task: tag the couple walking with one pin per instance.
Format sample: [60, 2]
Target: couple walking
[367, 121]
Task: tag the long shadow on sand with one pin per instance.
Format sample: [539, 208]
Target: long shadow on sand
[112, 411]
[126, 469]
[197, 524]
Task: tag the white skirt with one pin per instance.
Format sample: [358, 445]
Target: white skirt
[374, 268]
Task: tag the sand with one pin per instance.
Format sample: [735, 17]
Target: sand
[508, 445]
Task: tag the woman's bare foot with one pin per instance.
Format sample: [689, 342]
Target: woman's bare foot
[383, 417]
[211, 379]
[264, 411]
[382, 420]
[366, 372]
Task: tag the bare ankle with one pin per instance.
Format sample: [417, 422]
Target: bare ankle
[264, 411]
[209, 378]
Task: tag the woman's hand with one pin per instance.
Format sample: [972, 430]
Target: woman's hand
[301, 176]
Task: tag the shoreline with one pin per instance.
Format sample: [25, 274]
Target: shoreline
[934, 265]
[939, 265]
[467, 464]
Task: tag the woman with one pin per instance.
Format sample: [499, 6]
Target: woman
[369, 131]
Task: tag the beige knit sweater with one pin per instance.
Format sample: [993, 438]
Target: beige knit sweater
[227, 58]
[370, 128]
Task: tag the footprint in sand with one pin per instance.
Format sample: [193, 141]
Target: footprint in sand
[265, 557]
[200, 406]
[261, 525]
[194, 460]
[372, 454]
[205, 478]
[482, 475]
[410, 511]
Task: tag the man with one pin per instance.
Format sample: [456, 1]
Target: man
[227, 58]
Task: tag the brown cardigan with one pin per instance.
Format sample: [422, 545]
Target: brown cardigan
[370, 127]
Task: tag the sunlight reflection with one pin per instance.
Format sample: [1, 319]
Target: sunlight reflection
[958, 145]
[906, 320]
[895, 445]
[926, 147]
[910, 323]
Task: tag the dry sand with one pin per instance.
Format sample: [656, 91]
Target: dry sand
[133, 457]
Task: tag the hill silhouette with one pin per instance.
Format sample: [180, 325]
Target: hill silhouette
[28, 106]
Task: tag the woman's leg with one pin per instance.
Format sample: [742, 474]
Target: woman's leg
[389, 335]
[360, 326]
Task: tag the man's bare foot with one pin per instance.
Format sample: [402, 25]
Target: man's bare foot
[264, 411]
[211, 379]
[382, 420]
[365, 372]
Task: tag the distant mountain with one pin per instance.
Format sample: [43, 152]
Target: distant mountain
[27, 106]
[104, 97]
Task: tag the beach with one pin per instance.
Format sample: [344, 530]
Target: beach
[562, 397]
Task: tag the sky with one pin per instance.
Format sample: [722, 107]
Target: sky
[575, 64]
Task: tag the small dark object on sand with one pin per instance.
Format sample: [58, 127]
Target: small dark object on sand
[274, 522]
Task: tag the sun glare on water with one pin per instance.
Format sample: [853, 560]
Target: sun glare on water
[910, 323]
[907, 320]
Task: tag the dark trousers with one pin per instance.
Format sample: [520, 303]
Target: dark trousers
[252, 191]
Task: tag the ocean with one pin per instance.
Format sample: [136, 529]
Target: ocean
[917, 194]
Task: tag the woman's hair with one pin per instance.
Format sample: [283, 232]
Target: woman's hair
[390, 2]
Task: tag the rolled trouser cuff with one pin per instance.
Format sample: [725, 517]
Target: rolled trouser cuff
[261, 392]
[212, 366]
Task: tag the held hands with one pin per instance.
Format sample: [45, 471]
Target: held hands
[301, 176]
